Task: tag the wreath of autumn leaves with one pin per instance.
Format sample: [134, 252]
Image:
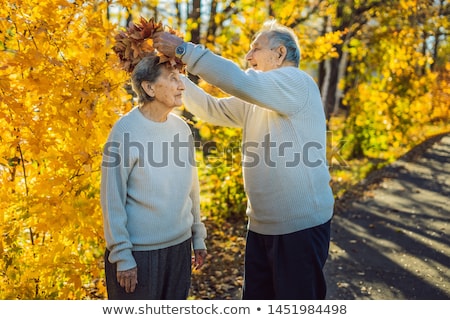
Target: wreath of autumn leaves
[135, 43]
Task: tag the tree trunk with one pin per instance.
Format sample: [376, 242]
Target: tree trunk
[195, 16]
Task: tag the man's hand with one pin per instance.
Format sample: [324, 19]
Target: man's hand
[199, 258]
[166, 43]
[127, 279]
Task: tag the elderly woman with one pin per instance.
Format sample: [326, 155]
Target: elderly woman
[150, 193]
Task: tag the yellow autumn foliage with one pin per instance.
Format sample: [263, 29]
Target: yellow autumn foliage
[61, 91]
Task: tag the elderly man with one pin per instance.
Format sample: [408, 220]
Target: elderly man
[286, 176]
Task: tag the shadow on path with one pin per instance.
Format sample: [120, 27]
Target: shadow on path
[392, 241]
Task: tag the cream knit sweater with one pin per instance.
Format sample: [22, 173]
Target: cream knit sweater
[149, 187]
[285, 171]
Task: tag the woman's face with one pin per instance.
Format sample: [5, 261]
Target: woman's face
[168, 88]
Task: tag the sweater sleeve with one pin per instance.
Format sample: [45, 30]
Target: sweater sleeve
[113, 192]
[288, 84]
[227, 112]
[198, 228]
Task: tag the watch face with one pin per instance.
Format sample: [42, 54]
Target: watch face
[180, 50]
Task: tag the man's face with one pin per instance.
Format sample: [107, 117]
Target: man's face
[261, 56]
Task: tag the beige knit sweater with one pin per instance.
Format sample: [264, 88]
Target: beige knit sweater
[285, 169]
[149, 187]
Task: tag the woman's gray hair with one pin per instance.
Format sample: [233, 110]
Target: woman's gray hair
[148, 69]
[280, 35]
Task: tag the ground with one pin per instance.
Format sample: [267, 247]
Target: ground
[389, 236]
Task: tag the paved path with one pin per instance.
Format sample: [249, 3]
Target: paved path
[393, 241]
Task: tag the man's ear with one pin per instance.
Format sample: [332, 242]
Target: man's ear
[148, 88]
[282, 52]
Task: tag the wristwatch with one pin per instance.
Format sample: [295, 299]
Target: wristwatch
[180, 50]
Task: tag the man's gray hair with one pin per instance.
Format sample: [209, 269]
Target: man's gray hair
[277, 35]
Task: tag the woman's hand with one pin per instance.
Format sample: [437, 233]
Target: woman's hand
[127, 279]
[199, 258]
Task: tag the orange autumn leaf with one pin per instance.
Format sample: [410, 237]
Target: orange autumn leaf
[135, 43]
